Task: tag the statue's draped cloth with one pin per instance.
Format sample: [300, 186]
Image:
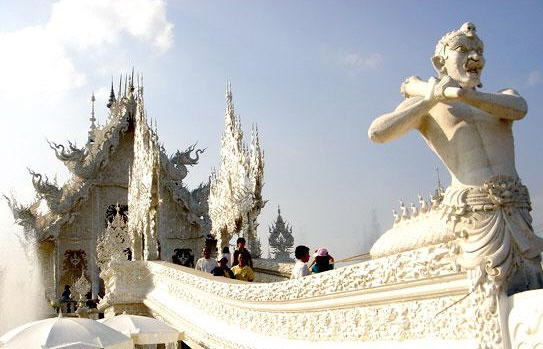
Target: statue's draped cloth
[494, 231]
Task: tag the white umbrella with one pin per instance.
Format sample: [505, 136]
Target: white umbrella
[78, 346]
[142, 329]
[65, 333]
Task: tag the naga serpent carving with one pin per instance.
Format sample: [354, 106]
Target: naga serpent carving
[176, 164]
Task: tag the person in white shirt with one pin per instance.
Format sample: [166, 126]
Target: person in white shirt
[206, 263]
[302, 257]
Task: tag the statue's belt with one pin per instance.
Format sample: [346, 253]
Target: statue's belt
[496, 193]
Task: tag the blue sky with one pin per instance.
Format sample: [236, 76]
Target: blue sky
[311, 74]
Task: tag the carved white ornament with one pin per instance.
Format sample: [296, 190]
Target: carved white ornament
[81, 287]
[113, 243]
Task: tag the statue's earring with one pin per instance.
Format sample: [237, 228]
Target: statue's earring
[439, 65]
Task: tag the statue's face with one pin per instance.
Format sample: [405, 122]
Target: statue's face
[464, 61]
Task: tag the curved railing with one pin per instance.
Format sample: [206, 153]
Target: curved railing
[411, 296]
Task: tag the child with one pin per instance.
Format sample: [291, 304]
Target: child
[300, 268]
[323, 261]
[222, 269]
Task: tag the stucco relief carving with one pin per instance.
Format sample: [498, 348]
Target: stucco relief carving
[125, 282]
[244, 304]
[413, 265]
[87, 161]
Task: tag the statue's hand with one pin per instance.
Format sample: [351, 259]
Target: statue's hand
[432, 90]
[446, 88]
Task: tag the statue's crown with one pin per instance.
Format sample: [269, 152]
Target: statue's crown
[467, 29]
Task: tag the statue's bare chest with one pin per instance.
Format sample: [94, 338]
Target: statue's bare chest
[462, 120]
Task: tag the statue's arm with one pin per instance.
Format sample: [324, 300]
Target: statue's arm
[406, 116]
[506, 104]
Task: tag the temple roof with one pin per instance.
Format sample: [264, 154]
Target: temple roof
[86, 163]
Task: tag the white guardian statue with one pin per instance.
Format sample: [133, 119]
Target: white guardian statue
[486, 208]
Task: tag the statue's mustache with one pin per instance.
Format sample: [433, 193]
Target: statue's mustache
[473, 64]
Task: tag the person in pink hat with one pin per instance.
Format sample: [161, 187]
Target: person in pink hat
[322, 262]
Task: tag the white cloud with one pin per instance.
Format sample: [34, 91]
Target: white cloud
[534, 78]
[34, 63]
[92, 23]
[40, 60]
[359, 63]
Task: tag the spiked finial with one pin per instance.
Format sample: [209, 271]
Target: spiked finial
[140, 85]
[228, 92]
[397, 218]
[125, 82]
[92, 119]
[131, 83]
[230, 116]
[111, 96]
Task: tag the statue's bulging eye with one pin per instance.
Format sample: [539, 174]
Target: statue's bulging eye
[461, 48]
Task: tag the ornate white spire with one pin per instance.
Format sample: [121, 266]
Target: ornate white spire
[111, 96]
[92, 119]
[235, 198]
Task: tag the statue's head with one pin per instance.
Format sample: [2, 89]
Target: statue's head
[459, 55]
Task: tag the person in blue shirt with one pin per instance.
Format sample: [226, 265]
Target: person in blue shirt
[322, 262]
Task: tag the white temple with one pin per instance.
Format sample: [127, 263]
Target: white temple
[122, 164]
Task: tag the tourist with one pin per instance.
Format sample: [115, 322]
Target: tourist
[90, 303]
[241, 249]
[206, 263]
[322, 262]
[66, 300]
[226, 253]
[242, 271]
[66, 295]
[302, 257]
[222, 269]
